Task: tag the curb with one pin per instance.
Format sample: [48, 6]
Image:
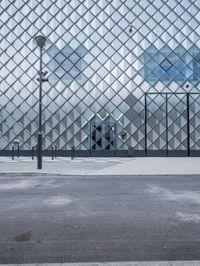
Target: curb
[104, 175]
[146, 263]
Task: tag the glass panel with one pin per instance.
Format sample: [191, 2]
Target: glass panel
[179, 66]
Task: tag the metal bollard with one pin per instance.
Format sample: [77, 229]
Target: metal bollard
[36, 151]
[32, 153]
[18, 151]
[73, 153]
[55, 151]
[130, 151]
[52, 153]
[13, 152]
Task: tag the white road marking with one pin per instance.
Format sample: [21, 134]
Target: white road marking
[57, 201]
[192, 196]
[21, 184]
[191, 217]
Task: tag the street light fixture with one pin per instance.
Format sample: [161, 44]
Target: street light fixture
[40, 41]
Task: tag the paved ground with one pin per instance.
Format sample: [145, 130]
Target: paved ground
[105, 166]
[150, 263]
[67, 219]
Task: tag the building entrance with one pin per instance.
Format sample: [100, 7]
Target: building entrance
[102, 139]
[172, 124]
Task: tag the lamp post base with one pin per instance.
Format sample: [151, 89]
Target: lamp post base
[39, 162]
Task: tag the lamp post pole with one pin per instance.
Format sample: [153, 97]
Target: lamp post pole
[40, 40]
[39, 162]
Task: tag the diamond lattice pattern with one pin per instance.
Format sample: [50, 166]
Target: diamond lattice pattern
[99, 70]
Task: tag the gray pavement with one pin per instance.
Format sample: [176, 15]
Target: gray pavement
[153, 263]
[104, 166]
[97, 219]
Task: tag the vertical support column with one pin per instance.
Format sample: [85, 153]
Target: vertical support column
[39, 162]
[90, 139]
[167, 136]
[188, 124]
[145, 123]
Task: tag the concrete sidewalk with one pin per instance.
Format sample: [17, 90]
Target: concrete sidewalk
[103, 166]
[146, 263]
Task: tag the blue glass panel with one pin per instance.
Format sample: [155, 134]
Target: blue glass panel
[83, 65]
[81, 50]
[197, 57]
[74, 58]
[166, 64]
[143, 72]
[166, 50]
[172, 72]
[147, 58]
[52, 65]
[196, 68]
[187, 72]
[179, 65]
[53, 79]
[67, 63]
[152, 82]
[159, 72]
[60, 58]
[188, 58]
[195, 78]
[74, 72]
[81, 79]
[78, 65]
[143, 58]
[60, 72]
[152, 78]
[158, 58]
[180, 51]
[166, 77]
[193, 50]
[180, 79]
[151, 64]
[152, 50]
[173, 58]
[67, 50]
[53, 50]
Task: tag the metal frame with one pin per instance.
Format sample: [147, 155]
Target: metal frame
[187, 95]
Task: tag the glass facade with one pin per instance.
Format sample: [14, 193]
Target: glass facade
[121, 74]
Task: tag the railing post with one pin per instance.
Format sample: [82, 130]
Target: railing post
[13, 151]
[32, 153]
[73, 153]
[55, 151]
[52, 149]
[188, 124]
[18, 151]
[167, 126]
[145, 124]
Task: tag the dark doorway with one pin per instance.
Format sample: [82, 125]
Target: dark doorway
[102, 139]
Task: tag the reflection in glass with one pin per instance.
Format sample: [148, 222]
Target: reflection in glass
[67, 64]
[166, 65]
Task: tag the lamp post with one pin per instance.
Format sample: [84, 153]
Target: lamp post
[40, 40]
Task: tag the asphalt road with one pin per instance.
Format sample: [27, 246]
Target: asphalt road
[80, 219]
